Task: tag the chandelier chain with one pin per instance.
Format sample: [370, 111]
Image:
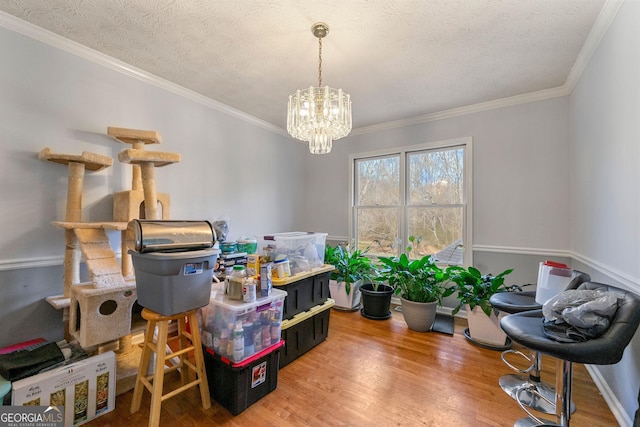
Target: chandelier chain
[320, 62]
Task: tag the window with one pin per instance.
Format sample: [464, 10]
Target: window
[421, 191]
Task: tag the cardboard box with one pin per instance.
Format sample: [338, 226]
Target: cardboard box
[86, 389]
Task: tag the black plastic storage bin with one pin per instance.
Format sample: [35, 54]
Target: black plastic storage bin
[236, 386]
[305, 331]
[304, 294]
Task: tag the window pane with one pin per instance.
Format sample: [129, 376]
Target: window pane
[440, 232]
[377, 230]
[378, 181]
[436, 177]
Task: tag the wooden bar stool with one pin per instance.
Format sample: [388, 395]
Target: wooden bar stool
[154, 382]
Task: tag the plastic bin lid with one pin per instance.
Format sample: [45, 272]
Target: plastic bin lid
[240, 307]
[301, 317]
[244, 363]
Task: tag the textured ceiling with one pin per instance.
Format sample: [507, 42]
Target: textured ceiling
[398, 59]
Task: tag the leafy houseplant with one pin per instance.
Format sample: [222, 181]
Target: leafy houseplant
[376, 299]
[421, 284]
[418, 280]
[350, 268]
[475, 289]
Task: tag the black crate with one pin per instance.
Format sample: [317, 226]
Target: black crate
[305, 331]
[304, 294]
[238, 386]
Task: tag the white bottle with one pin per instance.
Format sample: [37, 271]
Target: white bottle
[238, 343]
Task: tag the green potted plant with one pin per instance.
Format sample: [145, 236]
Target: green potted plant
[474, 291]
[376, 298]
[350, 268]
[421, 284]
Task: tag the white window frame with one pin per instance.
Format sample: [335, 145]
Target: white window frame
[467, 232]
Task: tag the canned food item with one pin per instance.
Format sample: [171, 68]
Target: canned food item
[249, 290]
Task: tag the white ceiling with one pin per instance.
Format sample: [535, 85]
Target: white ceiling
[399, 59]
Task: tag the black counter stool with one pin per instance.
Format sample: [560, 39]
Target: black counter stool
[526, 328]
[527, 386]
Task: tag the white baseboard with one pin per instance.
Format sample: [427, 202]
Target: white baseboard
[612, 401]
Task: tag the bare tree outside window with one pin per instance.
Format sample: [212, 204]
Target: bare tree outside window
[412, 193]
[435, 198]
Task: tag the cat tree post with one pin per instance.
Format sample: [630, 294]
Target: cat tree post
[76, 166]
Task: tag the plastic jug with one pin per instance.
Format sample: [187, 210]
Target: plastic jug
[553, 278]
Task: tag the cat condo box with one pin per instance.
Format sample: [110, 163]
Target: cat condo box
[86, 389]
[305, 331]
[236, 386]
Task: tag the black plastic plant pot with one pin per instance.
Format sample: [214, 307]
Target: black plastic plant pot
[376, 304]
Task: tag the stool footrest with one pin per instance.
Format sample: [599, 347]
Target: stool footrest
[515, 368]
[178, 353]
[181, 389]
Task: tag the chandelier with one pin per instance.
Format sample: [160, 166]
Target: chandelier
[319, 115]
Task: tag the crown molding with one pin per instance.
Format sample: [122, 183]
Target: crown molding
[599, 29]
[468, 109]
[47, 37]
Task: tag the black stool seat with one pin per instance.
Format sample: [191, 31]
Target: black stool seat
[526, 328]
[515, 302]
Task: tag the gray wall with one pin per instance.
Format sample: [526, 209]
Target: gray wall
[52, 98]
[605, 179]
[520, 176]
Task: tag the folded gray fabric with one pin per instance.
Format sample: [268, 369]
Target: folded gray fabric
[578, 315]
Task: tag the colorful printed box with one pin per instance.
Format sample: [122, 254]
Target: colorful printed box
[86, 389]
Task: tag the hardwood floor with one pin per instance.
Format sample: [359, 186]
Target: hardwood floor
[378, 373]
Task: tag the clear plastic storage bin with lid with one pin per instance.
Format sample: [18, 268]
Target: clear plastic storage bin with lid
[305, 247]
[237, 330]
